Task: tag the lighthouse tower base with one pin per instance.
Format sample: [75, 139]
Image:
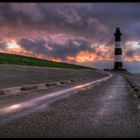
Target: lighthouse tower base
[118, 66]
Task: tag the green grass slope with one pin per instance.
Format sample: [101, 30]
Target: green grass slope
[31, 61]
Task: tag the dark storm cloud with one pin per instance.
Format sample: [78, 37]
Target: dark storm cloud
[70, 48]
[67, 18]
[34, 46]
[95, 20]
[132, 53]
[53, 49]
[9, 17]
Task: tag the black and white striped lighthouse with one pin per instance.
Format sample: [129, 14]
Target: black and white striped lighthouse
[118, 64]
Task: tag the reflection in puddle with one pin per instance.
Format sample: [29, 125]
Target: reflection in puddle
[54, 95]
[11, 108]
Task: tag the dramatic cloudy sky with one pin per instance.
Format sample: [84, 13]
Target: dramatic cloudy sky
[79, 33]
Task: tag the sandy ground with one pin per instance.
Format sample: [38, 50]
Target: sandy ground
[13, 75]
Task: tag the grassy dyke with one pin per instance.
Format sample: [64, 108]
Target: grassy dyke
[32, 61]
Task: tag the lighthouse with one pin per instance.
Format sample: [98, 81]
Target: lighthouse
[118, 64]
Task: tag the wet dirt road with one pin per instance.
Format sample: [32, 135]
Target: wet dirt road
[103, 110]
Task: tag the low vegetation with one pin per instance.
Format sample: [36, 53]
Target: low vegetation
[32, 61]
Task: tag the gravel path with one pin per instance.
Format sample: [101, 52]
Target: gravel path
[13, 75]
